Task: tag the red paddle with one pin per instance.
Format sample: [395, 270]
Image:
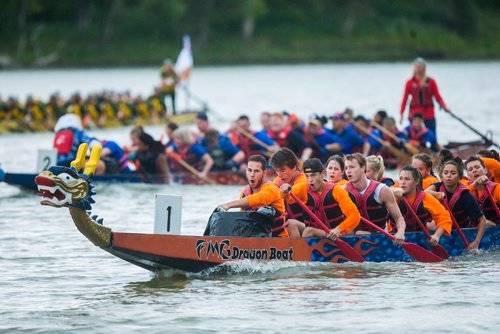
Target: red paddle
[490, 196]
[455, 224]
[348, 251]
[437, 249]
[415, 251]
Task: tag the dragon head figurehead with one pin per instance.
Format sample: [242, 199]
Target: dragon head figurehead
[64, 186]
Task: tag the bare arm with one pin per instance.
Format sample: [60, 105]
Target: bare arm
[333, 147]
[161, 166]
[480, 232]
[366, 148]
[434, 240]
[239, 157]
[437, 194]
[306, 154]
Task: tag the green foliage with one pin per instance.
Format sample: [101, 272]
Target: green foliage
[138, 32]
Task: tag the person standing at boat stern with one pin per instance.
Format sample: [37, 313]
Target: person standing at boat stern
[329, 202]
[169, 80]
[290, 179]
[260, 192]
[423, 91]
[423, 204]
[374, 200]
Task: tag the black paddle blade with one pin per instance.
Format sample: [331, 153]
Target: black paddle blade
[440, 251]
[421, 254]
[349, 252]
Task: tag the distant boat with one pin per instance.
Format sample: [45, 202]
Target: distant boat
[27, 180]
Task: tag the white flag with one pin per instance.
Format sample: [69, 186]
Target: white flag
[184, 63]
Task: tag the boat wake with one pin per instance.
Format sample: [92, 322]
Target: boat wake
[252, 267]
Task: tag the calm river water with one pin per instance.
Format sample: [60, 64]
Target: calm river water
[54, 280]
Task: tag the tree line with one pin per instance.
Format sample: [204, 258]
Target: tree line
[139, 32]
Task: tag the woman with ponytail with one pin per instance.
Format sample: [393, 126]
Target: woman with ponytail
[423, 163]
[375, 169]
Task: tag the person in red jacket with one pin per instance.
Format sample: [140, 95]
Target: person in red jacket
[423, 91]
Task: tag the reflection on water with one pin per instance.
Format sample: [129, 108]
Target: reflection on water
[173, 281]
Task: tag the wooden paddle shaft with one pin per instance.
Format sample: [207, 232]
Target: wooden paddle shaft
[190, 168]
[411, 148]
[406, 158]
[253, 138]
[387, 132]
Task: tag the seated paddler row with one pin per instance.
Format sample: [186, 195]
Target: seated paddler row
[208, 149]
[352, 186]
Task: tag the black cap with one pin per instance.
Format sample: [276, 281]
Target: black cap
[313, 165]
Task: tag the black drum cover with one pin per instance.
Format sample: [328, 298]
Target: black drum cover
[249, 224]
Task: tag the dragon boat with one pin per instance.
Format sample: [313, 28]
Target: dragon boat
[27, 180]
[67, 187]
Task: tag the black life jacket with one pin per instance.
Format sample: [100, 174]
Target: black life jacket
[147, 161]
[218, 156]
[324, 206]
[368, 207]
[456, 205]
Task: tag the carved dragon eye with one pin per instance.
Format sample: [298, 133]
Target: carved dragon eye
[66, 178]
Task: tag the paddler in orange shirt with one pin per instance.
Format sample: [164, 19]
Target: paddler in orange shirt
[329, 202]
[259, 193]
[290, 178]
[478, 183]
[423, 204]
[491, 162]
